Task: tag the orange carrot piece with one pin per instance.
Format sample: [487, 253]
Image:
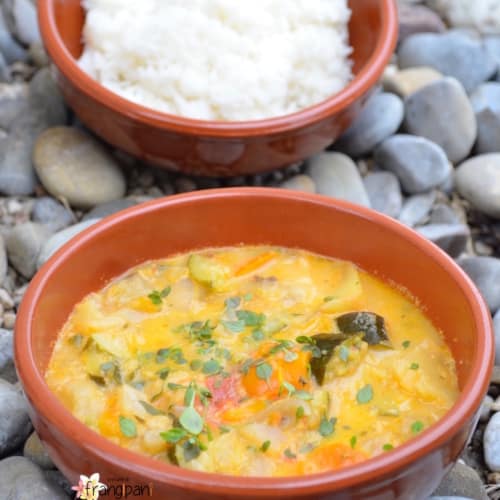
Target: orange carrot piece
[254, 264]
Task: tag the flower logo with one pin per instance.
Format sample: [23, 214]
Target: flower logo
[88, 488]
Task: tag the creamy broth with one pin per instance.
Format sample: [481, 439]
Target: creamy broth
[253, 360]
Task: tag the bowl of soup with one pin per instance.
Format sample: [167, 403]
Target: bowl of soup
[211, 147]
[254, 343]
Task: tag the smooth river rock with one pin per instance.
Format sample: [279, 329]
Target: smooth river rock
[3, 260]
[7, 368]
[22, 19]
[15, 424]
[444, 214]
[452, 238]
[453, 54]
[36, 452]
[52, 213]
[109, 208]
[419, 164]
[496, 327]
[384, 192]
[418, 19]
[478, 181]
[486, 103]
[380, 118]
[406, 81]
[299, 183]
[10, 49]
[485, 273]
[21, 479]
[442, 113]
[73, 165]
[336, 175]
[462, 481]
[416, 208]
[491, 443]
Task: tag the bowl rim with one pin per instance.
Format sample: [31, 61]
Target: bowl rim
[360, 85]
[386, 465]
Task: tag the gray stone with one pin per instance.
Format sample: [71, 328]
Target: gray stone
[14, 101]
[3, 260]
[418, 19]
[406, 81]
[56, 478]
[419, 164]
[21, 479]
[15, 424]
[450, 498]
[38, 55]
[431, 111]
[496, 327]
[57, 240]
[109, 208]
[384, 193]
[7, 368]
[336, 175]
[24, 243]
[485, 410]
[299, 183]
[55, 215]
[444, 214]
[452, 238]
[4, 69]
[485, 272]
[453, 54]
[380, 118]
[486, 103]
[22, 19]
[416, 208]
[463, 481]
[478, 181]
[492, 44]
[491, 443]
[74, 166]
[10, 49]
[36, 452]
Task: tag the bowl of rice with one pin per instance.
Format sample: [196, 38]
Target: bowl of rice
[217, 87]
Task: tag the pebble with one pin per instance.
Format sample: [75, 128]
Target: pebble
[9, 48]
[22, 19]
[48, 211]
[21, 479]
[74, 166]
[496, 328]
[380, 118]
[463, 481]
[184, 185]
[491, 443]
[336, 175]
[450, 498]
[431, 110]
[35, 451]
[15, 424]
[485, 410]
[418, 19]
[416, 208]
[58, 239]
[492, 44]
[9, 320]
[24, 243]
[486, 103]
[384, 193]
[14, 101]
[452, 238]
[478, 181]
[419, 164]
[405, 82]
[6, 300]
[299, 183]
[453, 54]
[109, 208]
[38, 55]
[7, 368]
[3, 260]
[444, 214]
[485, 273]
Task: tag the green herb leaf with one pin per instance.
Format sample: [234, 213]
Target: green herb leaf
[232, 302]
[327, 426]
[365, 394]
[264, 371]
[128, 427]
[406, 344]
[162, 355]
[304, 395]
[289, 454]
[251, 318]
[246, 366]
[303, 339]
[234, 326]
[189, 396]
[306, 448]
[174, 435]
[223, 429]
[151, 409]
[173, 387]
[414, 366]
[289, 387]
[353, 441]
[387, 447]
[300, 412]
[265, 446]
[163, 373]
[290, 356]
[258, 335]
[191, 421]
[417, 427]
[248, 296]
[211, 367]
[196, 364]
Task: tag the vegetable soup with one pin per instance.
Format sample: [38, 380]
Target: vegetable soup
[254, 361]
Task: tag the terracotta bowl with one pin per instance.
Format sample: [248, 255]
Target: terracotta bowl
[213, 148]
[252, 215]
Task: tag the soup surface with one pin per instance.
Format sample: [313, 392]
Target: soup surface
[258, 361]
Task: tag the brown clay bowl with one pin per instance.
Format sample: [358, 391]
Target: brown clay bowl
[256, 215]
[212, 148]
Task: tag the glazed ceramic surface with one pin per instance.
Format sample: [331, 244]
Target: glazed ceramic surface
[256, 216]
[217, 148]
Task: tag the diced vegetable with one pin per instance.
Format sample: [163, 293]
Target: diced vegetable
[114, 343]
[370, 324]
[207, 271]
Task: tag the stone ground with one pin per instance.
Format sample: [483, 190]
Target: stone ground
[426, 151]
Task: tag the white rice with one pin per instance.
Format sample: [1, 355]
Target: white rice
[219, 59]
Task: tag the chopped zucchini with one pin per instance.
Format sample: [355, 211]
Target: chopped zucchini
[206, 271]
[114, 343]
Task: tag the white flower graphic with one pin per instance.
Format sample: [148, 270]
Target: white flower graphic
[88, 488]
